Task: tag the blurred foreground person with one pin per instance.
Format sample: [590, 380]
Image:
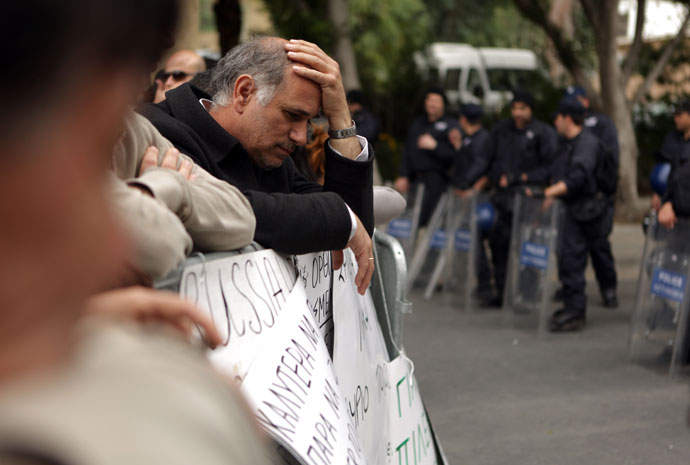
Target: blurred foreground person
[265, 93]
[587, 216]
[181, 67]
[429, 153]
[520, 151]
[600, 251]
[76, 390]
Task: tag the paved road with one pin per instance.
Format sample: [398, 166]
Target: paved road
[496, 394]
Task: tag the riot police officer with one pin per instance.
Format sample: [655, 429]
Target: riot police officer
[586, 218]
[600, 250]
[520, 153]
[428, 153]
[675, 202]
[469, 177]
[676, 149]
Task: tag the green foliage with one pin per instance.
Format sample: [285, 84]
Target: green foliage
[385, 34]
[302, 19]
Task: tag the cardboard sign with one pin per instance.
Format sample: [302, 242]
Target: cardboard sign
[244, 295]
[411, 437]
[668, 284]
[315, 271]
[360, 359]
[534, 255]
[294, 393]
[383, 399]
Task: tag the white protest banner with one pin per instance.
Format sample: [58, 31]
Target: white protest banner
[383, 398]
[315, 271]
[244, 295]
[294, 393]
[360, 359]
[411, 438]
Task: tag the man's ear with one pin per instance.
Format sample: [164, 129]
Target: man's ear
[243, 92]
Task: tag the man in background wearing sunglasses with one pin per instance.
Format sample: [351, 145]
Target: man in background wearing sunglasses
[180, 68]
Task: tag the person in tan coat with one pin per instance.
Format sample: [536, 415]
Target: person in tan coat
[164, 191]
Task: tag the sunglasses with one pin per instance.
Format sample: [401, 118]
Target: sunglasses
[176, 75]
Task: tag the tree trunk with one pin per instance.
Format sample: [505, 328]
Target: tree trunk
[343, 52]
[616, 105]
[228, 22]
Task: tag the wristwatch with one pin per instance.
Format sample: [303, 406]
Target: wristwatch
[343, 133]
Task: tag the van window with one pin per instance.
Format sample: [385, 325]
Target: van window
[509, 79]
[452, 79]
[474, 81]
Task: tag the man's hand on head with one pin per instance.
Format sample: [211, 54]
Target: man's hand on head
[314, 64]
[361, 246]
[172, 160]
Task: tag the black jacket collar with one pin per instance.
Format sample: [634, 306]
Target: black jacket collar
[184, 105]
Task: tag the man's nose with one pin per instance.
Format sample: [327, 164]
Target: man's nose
[298, 134]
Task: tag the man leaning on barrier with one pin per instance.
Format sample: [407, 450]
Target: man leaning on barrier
[587, 217]
[265, 93]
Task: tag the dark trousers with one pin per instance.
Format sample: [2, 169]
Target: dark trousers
[483, 267]
[499, 241]
[602, 259]
[577, 239]
[435, 184]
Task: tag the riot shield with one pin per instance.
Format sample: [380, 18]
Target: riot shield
[431, 244]
[454, 268]
[659, 324]
[532, 261]
[404, 228]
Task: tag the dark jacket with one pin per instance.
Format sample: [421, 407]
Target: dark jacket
[677, 151]
[293, 215]
[416, 160]
[367, 125]
[602, 126]
[673, 144]
[580, 157]
[512, 152]
[471, 161]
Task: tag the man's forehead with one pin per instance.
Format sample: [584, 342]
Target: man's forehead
[299, 95]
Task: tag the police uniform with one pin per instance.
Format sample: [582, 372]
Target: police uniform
[678, 184]
[602, 257]
[430, 167]
[587, 219]
[512, 152]
[600, 249]
[676, 150]
[470, 165]
[673, 144]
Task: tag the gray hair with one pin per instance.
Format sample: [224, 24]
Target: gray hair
[264, 59]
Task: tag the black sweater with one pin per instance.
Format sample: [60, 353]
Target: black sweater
[293, 215]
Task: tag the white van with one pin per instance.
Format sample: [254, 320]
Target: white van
[479, 75]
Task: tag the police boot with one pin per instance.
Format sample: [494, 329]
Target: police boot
[609, 298]
[566, 321]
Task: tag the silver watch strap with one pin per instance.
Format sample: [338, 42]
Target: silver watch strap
[343, 133]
